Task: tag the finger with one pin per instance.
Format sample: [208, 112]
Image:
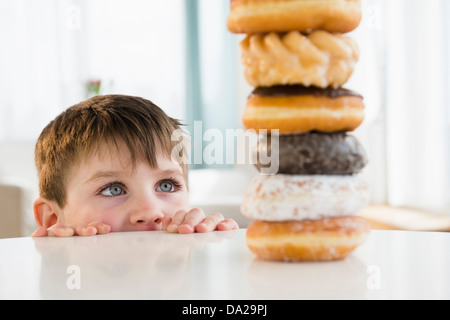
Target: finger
[192, 218]
[40, 232]
[101, 227]
[60, 230]
[209, 223]
[227, 224]
[177, 219]
[166, 222]
[86, 231]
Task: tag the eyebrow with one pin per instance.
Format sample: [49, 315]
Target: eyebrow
[115, 174]
[102, 175]
[170, 172]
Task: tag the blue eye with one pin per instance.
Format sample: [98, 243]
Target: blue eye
[113, 190]
[169, 185]
[166, 186]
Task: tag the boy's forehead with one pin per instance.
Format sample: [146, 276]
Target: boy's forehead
[119, 156]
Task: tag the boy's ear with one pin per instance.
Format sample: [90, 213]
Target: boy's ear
[45, 212]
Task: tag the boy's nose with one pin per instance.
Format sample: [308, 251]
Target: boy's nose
[147, 218]
[146, 212]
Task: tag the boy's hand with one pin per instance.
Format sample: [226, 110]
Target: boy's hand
[61, 230]
[196, 221]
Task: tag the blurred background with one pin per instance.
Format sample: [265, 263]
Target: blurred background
[180, 55]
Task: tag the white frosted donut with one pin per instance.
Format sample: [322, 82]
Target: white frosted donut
[304, 197]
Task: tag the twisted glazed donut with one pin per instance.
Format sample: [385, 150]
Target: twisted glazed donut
[319, 59]
[252, 16]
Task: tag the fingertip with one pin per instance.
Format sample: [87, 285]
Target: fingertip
[91, 231]
[222, 226]
[86, 231]
[61, 232]
[202, 228]
[172, 228]
[52, 231]
[185, 228]
[40, 232]
[104, 228]
[227, 225]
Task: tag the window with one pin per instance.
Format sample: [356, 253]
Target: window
[137, 47]
[52, 49]
[403, 74]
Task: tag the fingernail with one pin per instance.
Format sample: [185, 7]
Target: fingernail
[222, 226]
[185, 228]
[202, 227]
[105, 228]
[171, 227]
[91, 230]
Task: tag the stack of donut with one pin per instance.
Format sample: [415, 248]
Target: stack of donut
[297, 57]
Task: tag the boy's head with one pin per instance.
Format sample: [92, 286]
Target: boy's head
[117, 133]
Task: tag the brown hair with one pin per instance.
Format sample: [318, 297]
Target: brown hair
[76, 132]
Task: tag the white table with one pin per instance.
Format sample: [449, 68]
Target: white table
[218, 265]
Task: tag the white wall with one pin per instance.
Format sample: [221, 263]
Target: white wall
[17, 169]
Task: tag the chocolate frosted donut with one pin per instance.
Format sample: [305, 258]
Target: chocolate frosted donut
[299, 90]
[296, 109]
[314, 154]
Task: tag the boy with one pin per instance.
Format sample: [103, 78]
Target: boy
[105, 165]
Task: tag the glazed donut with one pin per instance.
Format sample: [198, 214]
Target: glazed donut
[298, 109]
[320, 240]
[252, 16]
[283, 197]
[313, 153]
[319, 59]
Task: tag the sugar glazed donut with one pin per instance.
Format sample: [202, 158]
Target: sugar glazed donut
[252, 16]
[283, 197]
[297, 109]
[320, 59]
[315, 240]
